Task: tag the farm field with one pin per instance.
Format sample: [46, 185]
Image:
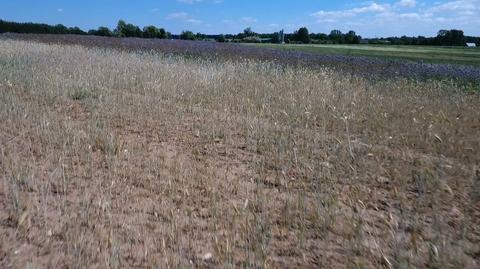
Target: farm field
[366, 67]
[429, 54]
[120, 153]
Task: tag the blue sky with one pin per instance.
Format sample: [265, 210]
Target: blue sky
[367, 18]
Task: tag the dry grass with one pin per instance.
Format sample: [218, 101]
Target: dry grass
[121, 159]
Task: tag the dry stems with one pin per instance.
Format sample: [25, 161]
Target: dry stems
[137, 159]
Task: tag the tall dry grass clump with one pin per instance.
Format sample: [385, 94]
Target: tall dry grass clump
[137, 159]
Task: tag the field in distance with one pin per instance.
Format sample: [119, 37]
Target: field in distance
[429, 54]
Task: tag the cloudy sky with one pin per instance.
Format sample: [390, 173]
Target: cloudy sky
[368, 18]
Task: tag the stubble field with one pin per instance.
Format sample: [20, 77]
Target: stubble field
[130, 159]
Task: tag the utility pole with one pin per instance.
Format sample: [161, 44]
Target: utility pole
[281, 37]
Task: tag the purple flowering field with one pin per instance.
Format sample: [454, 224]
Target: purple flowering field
[369, 67]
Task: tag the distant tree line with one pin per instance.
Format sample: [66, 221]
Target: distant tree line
[302, 35]
[123, 29]
[38, 28]
[129, 30]
[444, 38]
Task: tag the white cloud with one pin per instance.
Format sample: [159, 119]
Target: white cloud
[465, 5]
[249, 20]
[410, 15]
[407, 17]
[183, 16]
[194, 21]
[330, 16]
[177, 16]
[374, 7]
[406, 3]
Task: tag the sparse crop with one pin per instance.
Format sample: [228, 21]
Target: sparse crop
[137, 158]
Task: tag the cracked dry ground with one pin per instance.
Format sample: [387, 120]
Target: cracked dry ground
[135, 172]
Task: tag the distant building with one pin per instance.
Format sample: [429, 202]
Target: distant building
[471, 45]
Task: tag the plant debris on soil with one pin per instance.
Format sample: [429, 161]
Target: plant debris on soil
[140, 159]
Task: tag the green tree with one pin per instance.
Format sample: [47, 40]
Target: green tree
[127, 30]
[76, 31]
[221, 38]
[352, 38]
[187, 35]
[162, 33]
[60, 29]
[336, 36]
[151, 32]
[134, 31]
[200, 36]
[451, 38]
[248, 32]
[276, 37]
[302, 35]
[120, 31]
[104, 31]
